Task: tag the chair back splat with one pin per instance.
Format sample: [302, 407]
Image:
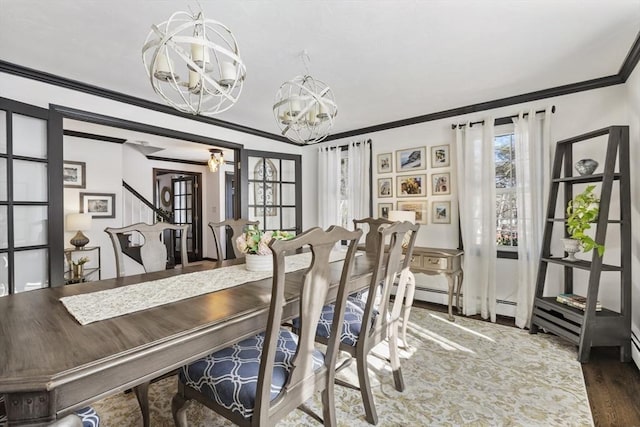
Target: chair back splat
[292, 368]
[153, 252]
[371, 240]
[233, 228]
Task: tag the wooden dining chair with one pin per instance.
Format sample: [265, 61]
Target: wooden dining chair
[259, 380]
[373, 317]
[152, 252]
[233, 228]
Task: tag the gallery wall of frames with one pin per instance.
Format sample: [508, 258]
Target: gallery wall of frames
[415, 179]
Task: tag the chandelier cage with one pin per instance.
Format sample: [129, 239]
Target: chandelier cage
[210, 74]
[216, 159]
[305, 109]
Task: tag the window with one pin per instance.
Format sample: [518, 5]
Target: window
[506, 209]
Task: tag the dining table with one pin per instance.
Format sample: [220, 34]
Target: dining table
[51, 364]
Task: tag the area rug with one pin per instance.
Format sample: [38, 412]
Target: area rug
[462, 373]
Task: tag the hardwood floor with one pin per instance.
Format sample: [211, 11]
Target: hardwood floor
[613, 387]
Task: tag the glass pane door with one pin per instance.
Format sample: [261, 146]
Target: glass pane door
[274, 190]
[24, 198]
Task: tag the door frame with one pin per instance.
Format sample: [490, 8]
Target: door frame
[57, 113]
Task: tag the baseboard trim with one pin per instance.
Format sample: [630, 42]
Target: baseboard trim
[440, 296]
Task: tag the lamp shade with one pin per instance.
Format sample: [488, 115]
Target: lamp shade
[78, 222]
[402, 216]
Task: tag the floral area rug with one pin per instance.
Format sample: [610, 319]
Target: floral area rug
[462, 373]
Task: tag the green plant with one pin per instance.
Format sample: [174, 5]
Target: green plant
[582, 211]
[80, 261]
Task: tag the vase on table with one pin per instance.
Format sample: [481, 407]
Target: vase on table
[255, 262]
[78, 270]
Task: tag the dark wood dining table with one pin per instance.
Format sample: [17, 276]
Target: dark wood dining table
[50, 365]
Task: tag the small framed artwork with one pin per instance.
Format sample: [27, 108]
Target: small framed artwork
[440, 184]
[385, 187]
[440, 156]
[385, 163]
[411, 159]
[383, 210]
[99, 205]
[419, 207]
[441, 212]
[74, 174]
[412, 185]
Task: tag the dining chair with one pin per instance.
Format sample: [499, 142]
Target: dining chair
[372, 317]
[152, 251]
[371, 246]
[153, 256]
[259, 380]
[233, 228]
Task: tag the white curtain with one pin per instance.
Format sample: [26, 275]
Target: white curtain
[532, 148]
[477, 196]
[328, 186]
[359, 192]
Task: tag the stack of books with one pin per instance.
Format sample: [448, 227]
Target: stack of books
[577, 301]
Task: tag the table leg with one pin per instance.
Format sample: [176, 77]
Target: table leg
[142, 394]
[459, 278]
[451, 281]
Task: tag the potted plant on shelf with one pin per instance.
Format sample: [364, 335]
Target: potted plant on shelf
[254, 243]
[582, 211]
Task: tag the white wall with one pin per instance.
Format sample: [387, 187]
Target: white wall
[575, 114]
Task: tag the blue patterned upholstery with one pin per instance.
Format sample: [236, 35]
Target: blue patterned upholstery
[88, 415]
[230, 376]
[354, 312]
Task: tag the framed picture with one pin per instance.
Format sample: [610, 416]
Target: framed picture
[385, 163]
[385, 187]
[412, 185]
[74, 174]
[411, 159]
[440, 156]
[441, 212]
[383, 210]
[440, 184]
[419, 207]
[99, 205]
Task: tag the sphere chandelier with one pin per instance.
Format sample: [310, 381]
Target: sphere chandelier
[210, 74]
[305, 109]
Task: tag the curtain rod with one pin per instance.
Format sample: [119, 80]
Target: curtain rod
[344, 147]
[501, 120]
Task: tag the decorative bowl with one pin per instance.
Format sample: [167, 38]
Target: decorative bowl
[586, 166]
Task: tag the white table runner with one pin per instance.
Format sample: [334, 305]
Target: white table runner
[101, 305]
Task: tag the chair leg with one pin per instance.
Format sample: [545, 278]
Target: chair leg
[365, 391]
[395, 357]
[179, 409]
[142, 394]
[328, 406]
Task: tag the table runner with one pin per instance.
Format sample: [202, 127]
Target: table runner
[101, 305]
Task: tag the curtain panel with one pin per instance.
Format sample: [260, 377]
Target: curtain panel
[477, 195]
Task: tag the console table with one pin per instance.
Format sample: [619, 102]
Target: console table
[443, 262]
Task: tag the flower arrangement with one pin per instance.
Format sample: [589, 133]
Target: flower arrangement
[80, 261]
[256, 242]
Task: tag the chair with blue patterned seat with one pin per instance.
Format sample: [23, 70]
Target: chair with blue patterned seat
[259, 380]
[372, 317]
[85, 417]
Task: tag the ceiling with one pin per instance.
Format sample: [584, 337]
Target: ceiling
[385, 60]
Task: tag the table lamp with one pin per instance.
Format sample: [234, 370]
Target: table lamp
[80, 222]
[403, 216]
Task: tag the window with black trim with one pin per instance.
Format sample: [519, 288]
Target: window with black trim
[506, 204]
